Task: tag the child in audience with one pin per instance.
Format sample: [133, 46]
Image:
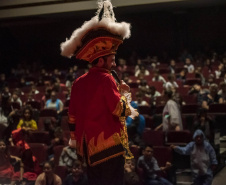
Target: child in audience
[203, 158]
[131, 177]
[27, 123]
[48, 177]
[150, 168]
[77, 176]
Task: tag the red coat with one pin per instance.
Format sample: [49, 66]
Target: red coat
[95, 108]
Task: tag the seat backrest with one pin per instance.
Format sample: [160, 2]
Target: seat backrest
[57, 150]
[152, 137]
[39, 137]
[179, 137]
[163, 154]
[39, 151]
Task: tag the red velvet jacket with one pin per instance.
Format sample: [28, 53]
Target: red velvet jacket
[95, 108]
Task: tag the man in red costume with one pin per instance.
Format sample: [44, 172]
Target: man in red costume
[98, 106]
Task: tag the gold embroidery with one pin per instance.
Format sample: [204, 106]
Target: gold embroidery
[103, 144]
[118, 109]
[124, 138]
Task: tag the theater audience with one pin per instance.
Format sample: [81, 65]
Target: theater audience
[131, 177]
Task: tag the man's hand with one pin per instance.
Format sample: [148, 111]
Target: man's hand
[124, 87]
[173, 146]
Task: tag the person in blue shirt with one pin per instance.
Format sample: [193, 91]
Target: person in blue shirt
[203, 158]
[135, 126]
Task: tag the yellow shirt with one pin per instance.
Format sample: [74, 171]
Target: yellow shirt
[30, 124]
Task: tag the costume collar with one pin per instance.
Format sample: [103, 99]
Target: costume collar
[100, 69]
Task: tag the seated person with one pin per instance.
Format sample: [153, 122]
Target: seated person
[222, 91]
[212, 97]
[67, 157]
[157, 77]
[135, 126]
[77, 176]
[139, 99]
[199, 92]
[203, 158]
[48, 176]
[171, 84]
[54, 103]
[150, 167]
[26, 122]
[204, 123]
[130, 176]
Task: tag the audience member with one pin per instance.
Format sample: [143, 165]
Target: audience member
[27, 123]
[54, 103]
[6, 168]
[222, 91]
[220, 71]
[198, 92]
[211, 97]
[140, 100]
[152, 94]
[58, 140]
[205, 123]
[172, 66]
[142, 71]
[135, 126]
[67, 157]
[171, 116]
[143, 86]
[171, 84]
[131, 177]
[158, 78]
[189, 66]
[203, 158]
[48, 177]
[16, 97]
[77, 176]
[150, 168]
[182, 76]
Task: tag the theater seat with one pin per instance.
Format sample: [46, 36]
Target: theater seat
[152, 137]
[57, 150]
[40, 151]
[39, 137]
[179, 137]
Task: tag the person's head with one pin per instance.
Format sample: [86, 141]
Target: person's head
[172, 63]
[199, 137]
[213, 89]
[106, 62]
[139, 96]
[168, 94]
[188, 61]
[15, 96]
[148, 152]
[48, 167]
[58, 133]
[156, 73]
[53, 96]
[220, 66]
[122, 62]
[2, 77]
[152, 90]
[131, 164]
[223, 87]
[27, 113]
[77, 168]
[2, 146]
[202, 114]
[197, 87]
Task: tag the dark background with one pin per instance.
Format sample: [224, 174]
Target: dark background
[154, 32]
